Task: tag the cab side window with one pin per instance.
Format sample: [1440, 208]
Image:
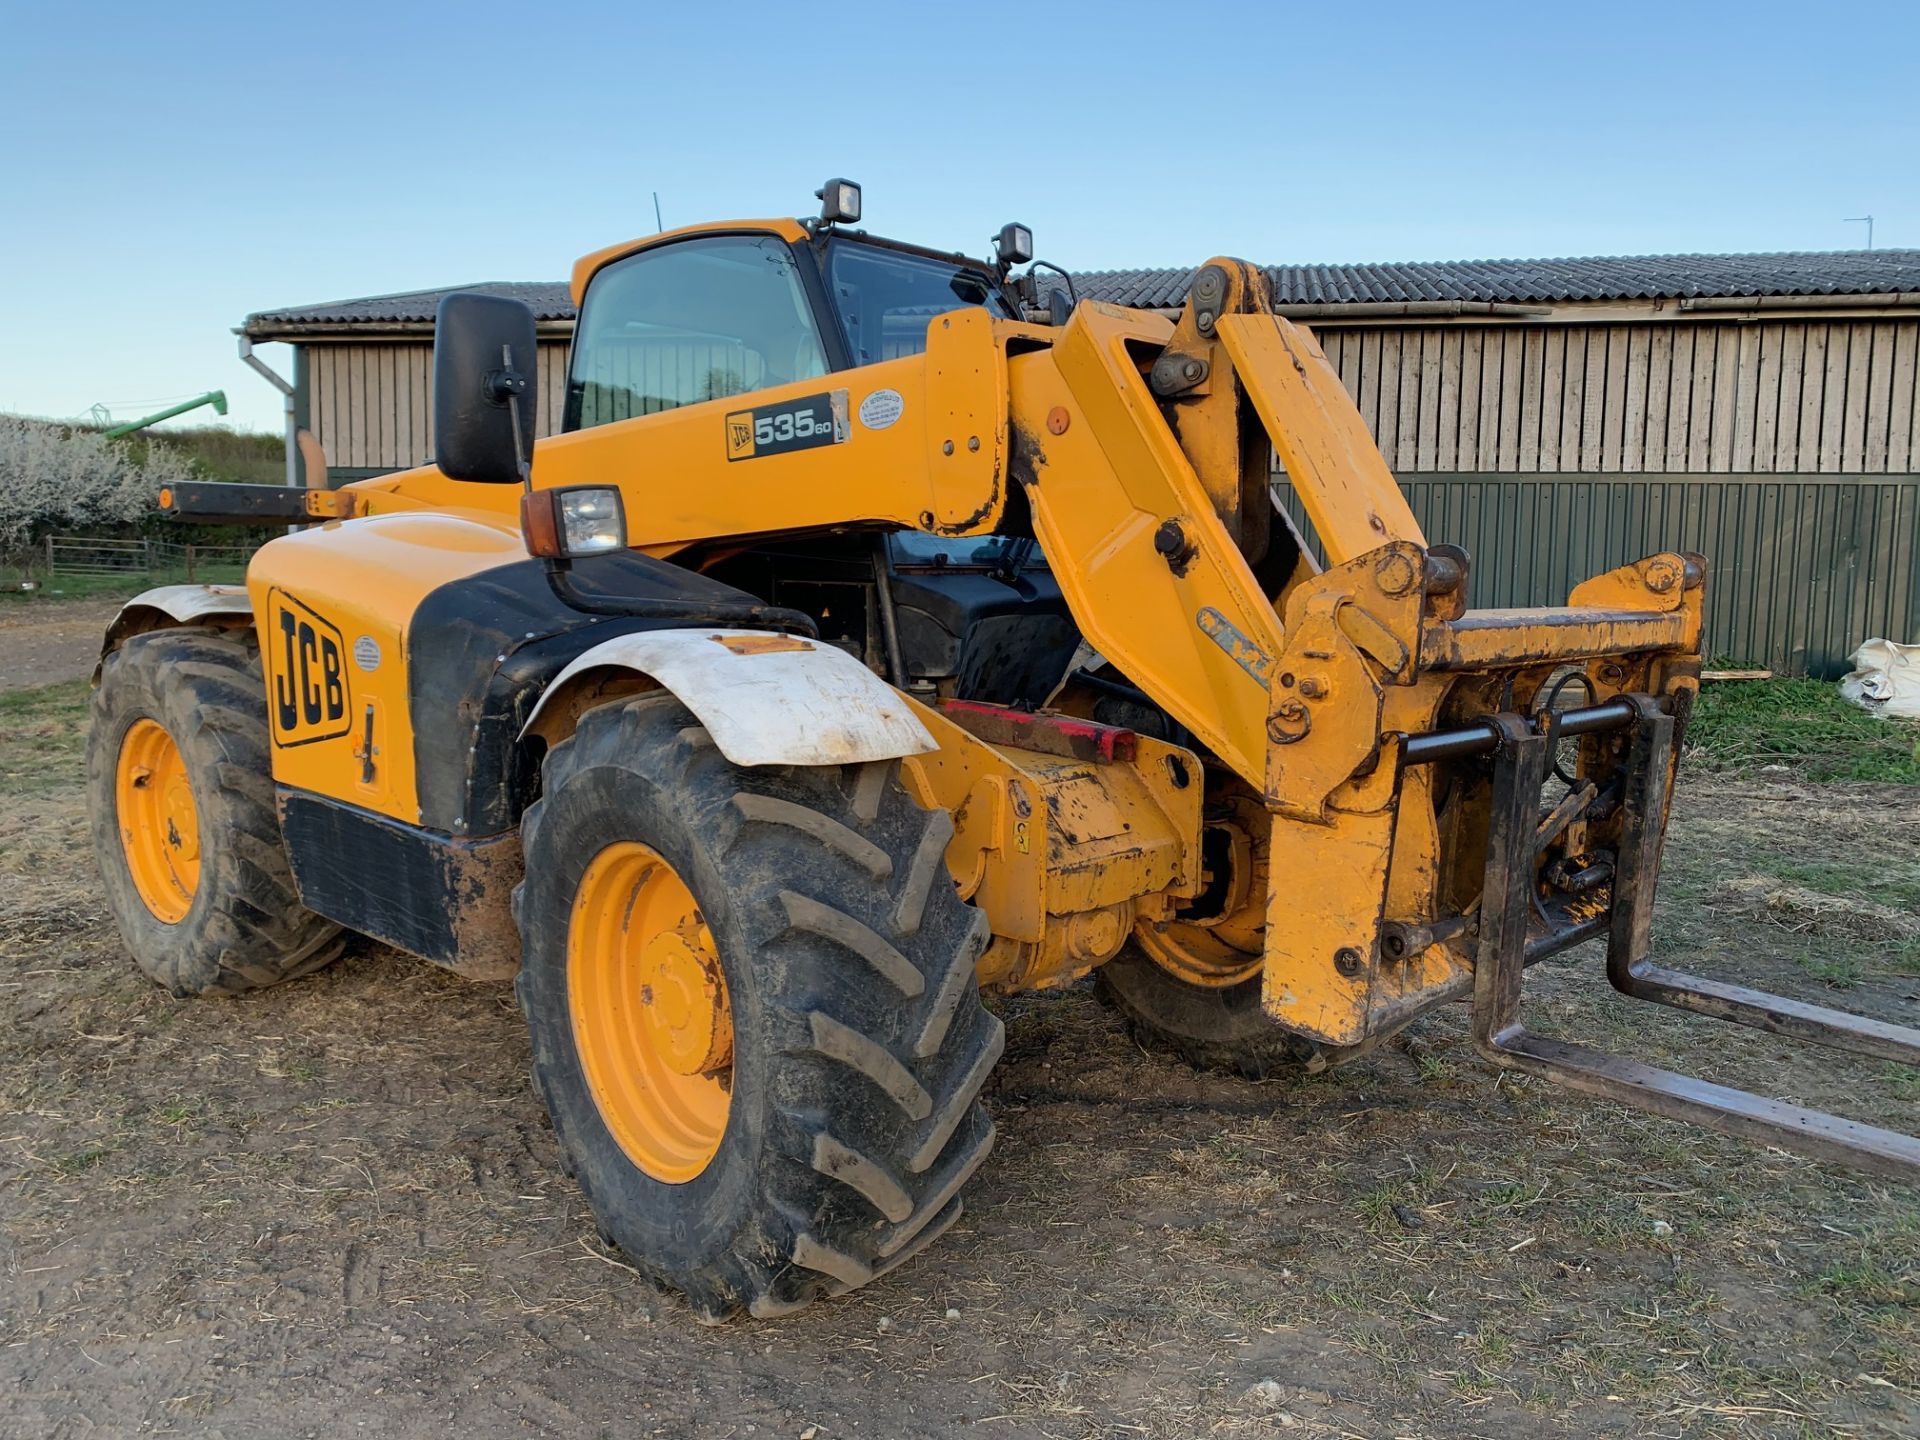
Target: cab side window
[700, 320]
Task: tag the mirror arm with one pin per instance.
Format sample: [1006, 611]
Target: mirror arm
[504, 387]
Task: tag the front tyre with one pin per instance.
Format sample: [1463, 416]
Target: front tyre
[1211, 1027]
[753, 1009]
[1191, 983]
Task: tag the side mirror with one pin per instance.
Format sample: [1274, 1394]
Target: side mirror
[485, 360]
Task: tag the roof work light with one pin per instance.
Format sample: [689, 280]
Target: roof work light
[839, 202]
[1014, 244]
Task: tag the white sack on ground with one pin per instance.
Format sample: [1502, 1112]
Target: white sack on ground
[1885, 679]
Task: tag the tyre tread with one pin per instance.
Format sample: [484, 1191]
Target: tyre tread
[879, 1046]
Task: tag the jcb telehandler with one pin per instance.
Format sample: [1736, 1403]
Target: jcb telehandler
[873, 636]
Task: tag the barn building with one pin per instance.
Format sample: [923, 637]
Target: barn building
[1555, 417]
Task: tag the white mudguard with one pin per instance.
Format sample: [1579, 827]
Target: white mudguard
[767, 699]
[166, 605]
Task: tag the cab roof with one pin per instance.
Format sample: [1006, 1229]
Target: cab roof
[792, 231]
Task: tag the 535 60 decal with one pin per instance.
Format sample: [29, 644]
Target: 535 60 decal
[788, 425]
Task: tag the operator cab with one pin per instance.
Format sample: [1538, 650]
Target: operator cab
[729, 310]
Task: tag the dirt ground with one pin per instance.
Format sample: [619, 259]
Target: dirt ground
[45, 641]
[336, 1209]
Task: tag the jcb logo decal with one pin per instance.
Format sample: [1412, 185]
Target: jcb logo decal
[310, 698]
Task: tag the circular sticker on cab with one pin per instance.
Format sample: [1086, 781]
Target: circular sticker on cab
[881, 409]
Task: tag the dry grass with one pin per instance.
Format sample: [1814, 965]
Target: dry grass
[1816, 912]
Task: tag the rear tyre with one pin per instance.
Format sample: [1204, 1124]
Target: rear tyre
[1210, 1027]
[753, 1009]
[180, 800]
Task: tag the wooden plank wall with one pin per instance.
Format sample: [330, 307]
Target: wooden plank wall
[1777, 397]
[1690, 397]
[1752, 443]
[371, 404]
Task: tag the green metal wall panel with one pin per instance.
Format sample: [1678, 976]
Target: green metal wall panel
[1803, 567]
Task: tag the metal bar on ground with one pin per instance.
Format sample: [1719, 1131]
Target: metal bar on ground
[1718, 1107]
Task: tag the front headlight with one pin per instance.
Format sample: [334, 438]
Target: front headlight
[579, 520]
[592, 520]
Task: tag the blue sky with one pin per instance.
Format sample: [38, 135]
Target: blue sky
[164, 169]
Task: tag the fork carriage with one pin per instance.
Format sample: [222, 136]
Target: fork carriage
[1523, 919]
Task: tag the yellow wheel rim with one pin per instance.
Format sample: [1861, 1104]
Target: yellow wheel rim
[1221, 940]
[159, 821]
[651, 1020]
[1196, 954]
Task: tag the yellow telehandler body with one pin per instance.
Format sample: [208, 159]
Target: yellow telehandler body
[864, 643]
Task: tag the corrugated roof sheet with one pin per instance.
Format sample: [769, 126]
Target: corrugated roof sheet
[1518, 282]
[550, 301]
[1543, 282]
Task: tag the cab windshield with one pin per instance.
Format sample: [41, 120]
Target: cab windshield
[885, 298]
